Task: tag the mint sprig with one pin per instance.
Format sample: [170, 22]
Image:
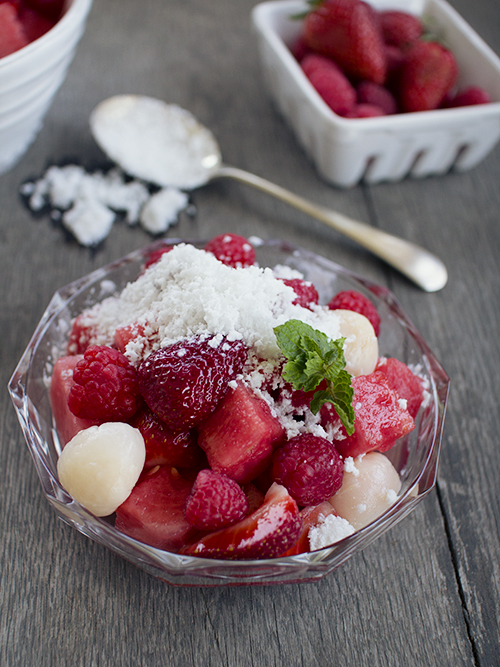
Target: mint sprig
[311, 358]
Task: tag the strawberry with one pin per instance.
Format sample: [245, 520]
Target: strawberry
[310, 516]
[378, 96]
[52, 9]
[184, 382]
[365, 111]
[330, 83]
[12, 35]
[215, 502]
[346, 31]
[400, 28]
[266, 533]
[428, 73]
[163, 446]
[469, 97]
[34, 24]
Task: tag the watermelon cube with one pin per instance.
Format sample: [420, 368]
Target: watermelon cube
[67, 424]
[240, 435]
[380, 417]
[154, 511]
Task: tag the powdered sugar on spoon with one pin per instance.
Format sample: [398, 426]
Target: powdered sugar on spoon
[166, 145]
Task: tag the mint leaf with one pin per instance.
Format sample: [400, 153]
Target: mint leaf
[312, 358]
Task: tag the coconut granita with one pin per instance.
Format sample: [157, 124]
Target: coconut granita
[253, 420]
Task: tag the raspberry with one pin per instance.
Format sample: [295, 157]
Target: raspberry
[309, 467]
[330, 82]
[184, 382]
[105, 386]
[156, 255]
[359, 303]
[232, 250]
[80, 336]
[216, 501]
[305, 291]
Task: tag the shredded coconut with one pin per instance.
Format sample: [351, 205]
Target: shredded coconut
[349, 466]
[328, 530]
[90, 202]
[189, 292]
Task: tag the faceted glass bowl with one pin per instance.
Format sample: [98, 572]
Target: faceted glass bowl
[415, 456]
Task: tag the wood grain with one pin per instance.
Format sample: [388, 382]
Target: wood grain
[426, 593]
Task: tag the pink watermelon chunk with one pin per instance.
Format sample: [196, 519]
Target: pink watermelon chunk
[67, 424]
[380, 418]
[240, 435]
[404, 382]
[154, 511]
[12, 35]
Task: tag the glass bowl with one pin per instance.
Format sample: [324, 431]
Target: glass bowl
[415, 456]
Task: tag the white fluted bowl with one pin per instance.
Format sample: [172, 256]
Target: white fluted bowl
[29, 79]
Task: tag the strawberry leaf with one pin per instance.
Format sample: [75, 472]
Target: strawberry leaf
[312, 358]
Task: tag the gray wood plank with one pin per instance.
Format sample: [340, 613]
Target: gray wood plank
[425, 593]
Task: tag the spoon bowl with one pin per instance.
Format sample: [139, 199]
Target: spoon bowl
[166, 145]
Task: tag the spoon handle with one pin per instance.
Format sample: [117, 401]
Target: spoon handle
[419, 265]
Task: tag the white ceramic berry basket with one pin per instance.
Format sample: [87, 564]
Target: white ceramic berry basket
[30, 77]
[415, 457]
[346, 151]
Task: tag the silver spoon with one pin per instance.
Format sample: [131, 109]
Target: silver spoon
[166, 145]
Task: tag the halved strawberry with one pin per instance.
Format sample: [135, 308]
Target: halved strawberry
[266, 533]
[239, 436]
[310, 517]
[154, 511]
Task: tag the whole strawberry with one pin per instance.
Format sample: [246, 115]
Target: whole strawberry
[345, 31]
[400, 28]
[427, 74]
[183, 383]
[330, 82]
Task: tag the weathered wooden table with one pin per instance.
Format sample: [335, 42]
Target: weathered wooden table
[428, 592]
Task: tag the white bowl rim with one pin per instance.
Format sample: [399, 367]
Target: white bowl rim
[75, 13]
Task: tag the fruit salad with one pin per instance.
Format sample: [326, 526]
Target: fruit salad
[23, 21]
[216, 409]
[366, 62]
